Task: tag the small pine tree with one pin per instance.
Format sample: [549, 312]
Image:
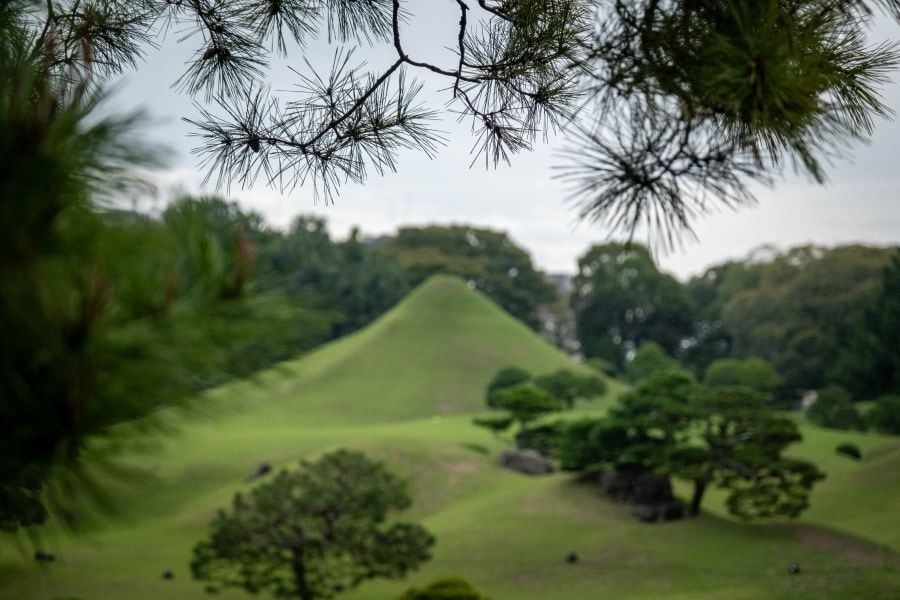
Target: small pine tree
[313, 532]
[834, 408]
[885, 415]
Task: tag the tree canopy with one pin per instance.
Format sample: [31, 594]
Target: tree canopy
[834, 408]
[525, 398]
[488, 259]
[505, 378]
[743, 453]
[723, 436]
[346, 281]
[673, 107]
[569, 386]
[96, 329]
[806, 305]
[885, 415]
[622, 300]
[803, 311]
[314, 532]
[875, 362]
[754, 373]
[648, 359]
[526, 402]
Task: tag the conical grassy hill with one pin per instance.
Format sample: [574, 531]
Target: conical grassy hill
[433, 354]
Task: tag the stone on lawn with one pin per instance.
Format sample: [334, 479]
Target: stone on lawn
[526, 461]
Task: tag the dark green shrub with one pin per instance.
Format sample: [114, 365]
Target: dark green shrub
[849, 450]
[506, 377]
[496, 425]
[543, 439]
[649, 358]
[834, 408]
[885, 415]
[568, 386]
[526, 402]
[602, 366]
[446, 588]
[753, 372]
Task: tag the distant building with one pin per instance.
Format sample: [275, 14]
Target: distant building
[562, 281]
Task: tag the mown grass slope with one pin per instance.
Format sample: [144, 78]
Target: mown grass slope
[433, 354]
[404, 390]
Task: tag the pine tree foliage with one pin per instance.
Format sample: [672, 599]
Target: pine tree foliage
[314, 532]
[723, 437]
[106, 315]
[693, 99]
[673, 106]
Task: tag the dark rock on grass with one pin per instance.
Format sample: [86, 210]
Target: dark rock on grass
[261, 471]
[526, 461]
[663, 511]
[572, 558]
[793, 568]
[168, 574]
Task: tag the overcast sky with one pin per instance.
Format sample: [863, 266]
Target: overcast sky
[860, 203]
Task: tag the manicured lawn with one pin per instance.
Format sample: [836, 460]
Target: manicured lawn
[404, 390]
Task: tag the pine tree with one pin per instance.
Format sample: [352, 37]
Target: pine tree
[314, 532]
[673, 106]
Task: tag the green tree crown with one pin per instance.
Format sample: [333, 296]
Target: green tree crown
[313, 532]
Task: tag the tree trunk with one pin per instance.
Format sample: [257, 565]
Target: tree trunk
[699, 489]
[299, 568]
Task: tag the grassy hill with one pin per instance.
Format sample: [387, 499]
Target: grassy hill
[404, 390]
[433, 354]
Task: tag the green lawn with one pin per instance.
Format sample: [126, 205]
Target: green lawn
[404, 390]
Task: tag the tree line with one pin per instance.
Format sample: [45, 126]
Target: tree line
[801, 319]
[815, 316]
[348, 283]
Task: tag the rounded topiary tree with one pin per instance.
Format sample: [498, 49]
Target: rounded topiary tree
[834, 408]
[446, 588]
[568, 386]
[648, 359]
[314, 532]
[885, 415]
[849, 450]
[506, 377]
[525, 399]
[526, 403]
[754, 372]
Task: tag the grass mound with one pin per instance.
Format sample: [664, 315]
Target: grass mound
[433, 354]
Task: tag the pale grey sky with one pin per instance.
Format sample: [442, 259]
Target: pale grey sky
[860, 203]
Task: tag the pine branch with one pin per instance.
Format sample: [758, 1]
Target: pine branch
[751, 86]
